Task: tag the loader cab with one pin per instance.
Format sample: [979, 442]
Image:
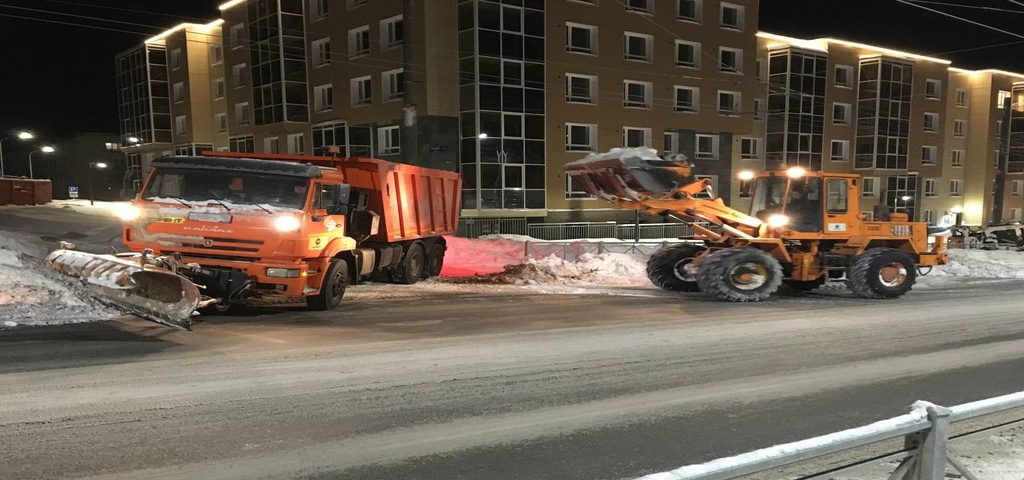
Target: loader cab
[806, 202]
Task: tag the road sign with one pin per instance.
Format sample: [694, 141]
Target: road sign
[72, 192]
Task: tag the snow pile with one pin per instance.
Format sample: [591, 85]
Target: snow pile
[83, 206]
[467, 257]
[969, 263]
[616, 269]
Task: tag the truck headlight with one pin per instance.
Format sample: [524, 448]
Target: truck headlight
[778, 220]
[287, 224]
[284, 272]
[127, 212]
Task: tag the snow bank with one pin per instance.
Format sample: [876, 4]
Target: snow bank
[467, 257]
[609, 269]
[83, 206]
[970, 263]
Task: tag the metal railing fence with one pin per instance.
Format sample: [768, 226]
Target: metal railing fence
[478, 227]
[925, 429]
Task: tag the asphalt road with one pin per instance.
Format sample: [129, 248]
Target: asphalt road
[502, 384]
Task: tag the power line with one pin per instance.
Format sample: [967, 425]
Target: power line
[977, 7]
[50, 12]
[58, 22]
[121, 9]
[980, 48]
[1015, 2]
[940, 12]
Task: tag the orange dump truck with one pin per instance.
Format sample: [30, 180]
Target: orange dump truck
[244, 227]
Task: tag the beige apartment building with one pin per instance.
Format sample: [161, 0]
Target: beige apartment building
[508, 92]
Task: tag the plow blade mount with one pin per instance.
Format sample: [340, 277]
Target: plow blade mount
[631, 173]
[128, 282]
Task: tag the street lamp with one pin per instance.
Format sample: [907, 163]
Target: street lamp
[20, 136]
[43, 149]
[94, 166]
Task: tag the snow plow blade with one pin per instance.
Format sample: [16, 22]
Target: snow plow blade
[131, 282]
[630, 173]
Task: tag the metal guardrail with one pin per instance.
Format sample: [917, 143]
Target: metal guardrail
[925, 428]
[478, 227]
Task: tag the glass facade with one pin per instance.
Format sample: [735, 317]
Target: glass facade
[501, 104]
[278, 61]
[796, 109]
[352, 141]
[1016, 163]
[144, 105]
[883, 114]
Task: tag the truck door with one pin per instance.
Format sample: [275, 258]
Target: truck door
[329, 209]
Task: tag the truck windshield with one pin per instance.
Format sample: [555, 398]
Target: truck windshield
[239, 188]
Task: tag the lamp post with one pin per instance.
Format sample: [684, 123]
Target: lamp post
[43, 149]
[94, 166]
[19, 136]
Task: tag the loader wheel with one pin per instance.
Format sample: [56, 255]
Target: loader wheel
[435, 260]
[410, 268]
[882, 273]
[333, 288]
[666, 268]
[743, 274]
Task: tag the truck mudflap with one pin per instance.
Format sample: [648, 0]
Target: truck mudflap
[135, 283]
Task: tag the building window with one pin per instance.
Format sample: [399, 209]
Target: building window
[707, 146]
[219, 89]
[243, 114]
[757, 109]
[957, 159]
[841, 113]
[642, 6]
[581, 38]
[237, 33]
[359, 41]
[687, 99]
[216, 54]
[242, 143]
[391, 32]
[392, 84]
[178, 92]
[688, 10]
[361, 90]
[671, 140]
[750, 148]
[175, 59]
[869, 186]
[840, 150]
[730, 60]
[1014, 214]
[580, 88]
[390, 140]
[931, 122]
[732, 16]
[636, 137]
[959, 128]
[638, 47]
[1016, 188]
[844, 76]
[573, 190]
[321, 52]
[961, 97]
[637, 94]
[297, 144]
[272, 145]
[687, 54]
[932, 89]
[956, 188]
[728, 102]
[580, 137]
[181, 124]
[239, 75]
[351, 4]
[929, 188]
[928, 216]
[929, 153]
[317, 9]
[221, 120]
[1001, 98]
[323, 98]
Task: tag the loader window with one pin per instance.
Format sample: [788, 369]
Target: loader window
[837, 196]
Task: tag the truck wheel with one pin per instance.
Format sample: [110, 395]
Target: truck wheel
[435, 260]
[666, 268]
[743, 274]
[333, 288]
[410, 268]
[882, 273]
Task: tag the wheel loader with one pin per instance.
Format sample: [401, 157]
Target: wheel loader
[803, 229]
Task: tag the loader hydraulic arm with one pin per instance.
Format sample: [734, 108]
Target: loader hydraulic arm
[683, 202]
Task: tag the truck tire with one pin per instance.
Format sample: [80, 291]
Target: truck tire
[882, 273]
[743, 274]
[665, 268]
[435, 259]
[333, 289]
[410, 268]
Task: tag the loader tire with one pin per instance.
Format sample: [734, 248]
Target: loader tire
[333, 289]
[666, 268]
[882, 273]
[410, 268]
[435, 260]
[743, 274]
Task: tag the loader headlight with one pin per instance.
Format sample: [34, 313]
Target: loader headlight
[796, 172]
[127, 212]
[287, 224]
[745, 175]
[778, 220]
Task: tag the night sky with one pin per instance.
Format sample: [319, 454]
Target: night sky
[57, 79]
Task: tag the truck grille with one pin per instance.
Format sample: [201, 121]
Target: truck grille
[211, 256]
[221, 249]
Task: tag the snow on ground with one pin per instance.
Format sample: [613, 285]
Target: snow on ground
[974, 263]
[83, 206]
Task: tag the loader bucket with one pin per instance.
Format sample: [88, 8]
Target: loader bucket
[127, 282]
[631, 173]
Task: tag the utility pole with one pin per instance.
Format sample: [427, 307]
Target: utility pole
[1004, 159]
[410, 139]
